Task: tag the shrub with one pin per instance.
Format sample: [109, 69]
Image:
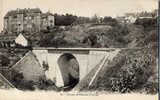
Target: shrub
[5, 61]
[18, 81]
[134, 74]
[46, 84]
[150, 88]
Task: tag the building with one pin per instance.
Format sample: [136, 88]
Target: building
[127, 18]
[27, 20]
[130, 17]
[121, 19]
[47, 20]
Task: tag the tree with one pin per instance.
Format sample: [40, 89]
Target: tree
[95, 19]
[110, 21]
[45, 66]
[65, 20]
[17, 79]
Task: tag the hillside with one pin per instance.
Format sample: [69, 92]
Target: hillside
[138, 34]
[132, 70]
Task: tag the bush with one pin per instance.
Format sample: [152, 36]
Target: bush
[4, 61]
[134, 74]
[130, 71]
[47, 84]
[17, 79]
[150, 88]
[126, 81]
[45, 66]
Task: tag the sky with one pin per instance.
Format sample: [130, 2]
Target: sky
[80, 7]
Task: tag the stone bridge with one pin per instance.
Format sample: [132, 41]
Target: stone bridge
[71, 65]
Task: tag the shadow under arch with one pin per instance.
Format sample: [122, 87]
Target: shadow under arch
[69, 68]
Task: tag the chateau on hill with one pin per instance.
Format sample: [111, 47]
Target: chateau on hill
[27, 20]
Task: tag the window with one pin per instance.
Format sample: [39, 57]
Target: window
[15, 16]
[51, 21]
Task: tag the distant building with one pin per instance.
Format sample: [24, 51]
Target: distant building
[145, 17]
[121, 19]
[130, 19]
[29, 20]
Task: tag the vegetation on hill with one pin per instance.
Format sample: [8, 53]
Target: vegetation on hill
[97, 32]
[130, 71]
[91, 35]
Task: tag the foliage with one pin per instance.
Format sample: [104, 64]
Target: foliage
[74, 31]
[148, 14]
[45, 66]
[65, 20]
[110, 21]
[82, 20]
[147, 22]
[4, 61]
[52, 38]
[47, 84]
[130, 71]
[150, 88]
[17, 79]
[135, 73]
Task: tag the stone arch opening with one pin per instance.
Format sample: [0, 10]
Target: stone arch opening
[69, 67]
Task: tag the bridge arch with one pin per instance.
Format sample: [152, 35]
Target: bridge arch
[69, 67]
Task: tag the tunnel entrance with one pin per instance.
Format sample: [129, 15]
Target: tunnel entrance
[70, 70]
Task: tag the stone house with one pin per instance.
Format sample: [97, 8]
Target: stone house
[30, 20]
[47, 20]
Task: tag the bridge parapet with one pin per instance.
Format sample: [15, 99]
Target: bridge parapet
[74, 49]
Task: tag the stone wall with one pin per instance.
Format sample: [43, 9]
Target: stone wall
[30, 68]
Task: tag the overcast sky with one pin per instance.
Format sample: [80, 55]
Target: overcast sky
[81, 7]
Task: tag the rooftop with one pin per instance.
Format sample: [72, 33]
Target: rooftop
[10, 37]
[22, 11]
[7, 37]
